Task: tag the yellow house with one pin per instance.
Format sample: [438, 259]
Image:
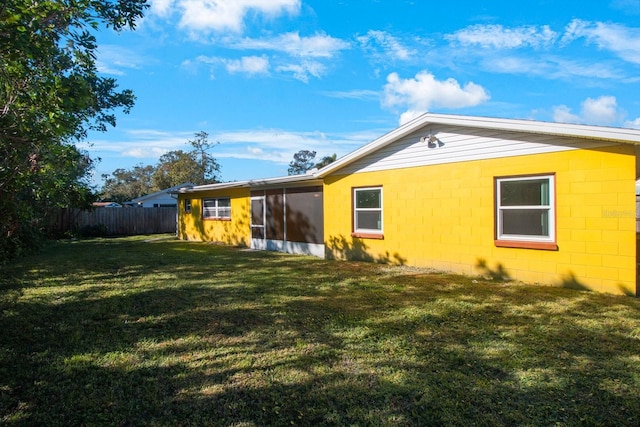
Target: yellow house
[524, 200]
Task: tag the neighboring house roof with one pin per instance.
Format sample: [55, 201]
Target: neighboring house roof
[106, 205]
[169, 190]
[610, 134]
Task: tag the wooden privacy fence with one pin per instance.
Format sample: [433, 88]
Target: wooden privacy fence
[114, 221]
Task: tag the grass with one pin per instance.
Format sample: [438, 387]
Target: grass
[147, 331]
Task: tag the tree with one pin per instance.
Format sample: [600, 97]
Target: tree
[209, 168]
[50, 97]
[176, 167]
[123, 185]
[196, 166]
[326, 160]
[302, 162]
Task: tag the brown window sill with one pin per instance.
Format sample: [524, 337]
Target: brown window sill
[368, 236]
[526, 245]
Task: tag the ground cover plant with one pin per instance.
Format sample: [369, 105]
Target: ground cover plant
[154, 331]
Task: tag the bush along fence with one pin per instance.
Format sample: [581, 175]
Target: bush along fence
[112, 221]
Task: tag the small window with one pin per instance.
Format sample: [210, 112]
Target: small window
[367, 212]
[219, 208]
[525, 212]
[187, 205]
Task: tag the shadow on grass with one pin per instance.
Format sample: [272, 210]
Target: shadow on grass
[127, 332]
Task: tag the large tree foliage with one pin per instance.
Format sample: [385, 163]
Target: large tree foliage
[51, 95]
[176, 167]
[302, 162]
[326, 160]
[125, 184]
[197, 165]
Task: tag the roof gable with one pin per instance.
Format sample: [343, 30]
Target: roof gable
[603, 135]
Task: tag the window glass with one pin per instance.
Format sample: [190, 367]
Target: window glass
[367, 216]
[534, 192]
[216, 208]
[369, 220]
[368, 198]
[525, 209]
[257, 212]
[527, 222]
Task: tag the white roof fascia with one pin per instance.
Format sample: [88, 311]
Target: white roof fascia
[611, 134]
[266, 182]
[614, 134]
[218, 186]
[292, 179]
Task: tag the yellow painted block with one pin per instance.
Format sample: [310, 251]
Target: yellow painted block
[602, 223]
[600, 272]
[586, 187]
[586, 259]
[586, 235]
[609, 248]
[619, 261]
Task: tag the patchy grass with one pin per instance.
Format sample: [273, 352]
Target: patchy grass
[142, 331]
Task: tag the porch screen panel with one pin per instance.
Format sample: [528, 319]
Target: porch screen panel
[305, 220]
[275, 215]
[257, 218]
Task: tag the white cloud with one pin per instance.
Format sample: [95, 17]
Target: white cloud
[305, 52]
[420, 94]
[227, 15]
[621, 40]
[160, 7]
[316, 46]
[248, 65]
[634, 124]
[551, 67]
[115, 60]
[303, 70]
[391, 47]
[262, 144]
[603, 110]
[251, 65]
[594, 111]
[353, 94]
[563, 114]
[499, 37]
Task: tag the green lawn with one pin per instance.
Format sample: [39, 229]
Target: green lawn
[147, 331]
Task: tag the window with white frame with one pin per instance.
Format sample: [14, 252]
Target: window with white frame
[187, 205]
[525, 210]
[218, 208]
[367, 210]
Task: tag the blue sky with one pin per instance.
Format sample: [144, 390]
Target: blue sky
[267, 78]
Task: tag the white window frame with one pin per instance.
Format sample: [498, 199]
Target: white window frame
[356, 229]
[216, 211]
[187, 205]
[550, 206]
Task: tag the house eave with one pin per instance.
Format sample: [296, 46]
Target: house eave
[292, 181]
